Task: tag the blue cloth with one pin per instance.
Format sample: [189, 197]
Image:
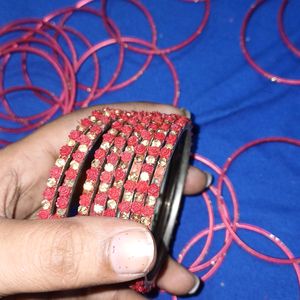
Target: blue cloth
[231, 103]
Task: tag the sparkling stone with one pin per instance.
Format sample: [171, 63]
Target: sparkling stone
[173, 132]
[136, 134]
[129, 148]
[103, 187]
[88, 186]
[99, 122]
[70, 183]
[135, 218]
[138, 197]
[106, 113]
[98, 209]
[111, 204]
[74, 165]
[71, 142]
[156, 181]
[118, 184]
[105, 145]
[139, 158]
[61, 211]
[169, 146]
[122, 165]
[144, 176]
[83, 210]
[93, 119]
[162, 162]
[113, 131]
[60, 162]
[114, 149]
[127, 196]
[124, 215]
[51, 182]
[156, 143]
[83, 148]
[151, 201]
[45, 204]
[133, 176]
[80, 128]
[145, 220]
[96, 163]
[91, 136]
[109, 167]
[273, 79]
[150, 160]
[145, 142]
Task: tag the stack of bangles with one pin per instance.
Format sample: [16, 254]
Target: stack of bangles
[124, 164]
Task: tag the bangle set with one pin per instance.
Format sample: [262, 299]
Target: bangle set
[128, 165]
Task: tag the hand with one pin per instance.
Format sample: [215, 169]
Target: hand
[73, 255]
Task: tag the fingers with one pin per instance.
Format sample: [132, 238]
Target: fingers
[54, 134]
[196, 181]
[53, 255]
[177, 280]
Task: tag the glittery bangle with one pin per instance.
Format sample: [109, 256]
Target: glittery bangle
[129, 165]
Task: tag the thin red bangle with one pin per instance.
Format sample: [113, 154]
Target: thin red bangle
[221, 206]
[19, 25]
[15, 26]
[160, 51]
[250, 60]
[94, 91]
[46, 56]
[109, 23]
[67, 13]
[282, 31]
[255, 229]
[68, 80]
[40, 117]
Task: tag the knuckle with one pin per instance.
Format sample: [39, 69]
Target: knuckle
[62, 251]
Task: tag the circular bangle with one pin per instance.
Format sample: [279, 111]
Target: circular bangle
[271, 76]
[223, 210]
[124, 164]
[282, 30]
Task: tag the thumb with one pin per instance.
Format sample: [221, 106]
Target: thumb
[49, 255]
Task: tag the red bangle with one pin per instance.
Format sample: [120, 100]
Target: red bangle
[129, 165]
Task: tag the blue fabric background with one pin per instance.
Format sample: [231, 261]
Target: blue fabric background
[231, 103]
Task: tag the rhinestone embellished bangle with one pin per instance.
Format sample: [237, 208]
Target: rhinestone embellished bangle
[129, 165]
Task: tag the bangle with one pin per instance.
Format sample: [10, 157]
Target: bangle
[129, 165]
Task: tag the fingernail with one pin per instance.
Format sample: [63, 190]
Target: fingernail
[185, 112]
[196, 286]
[132, 252]
[209, 179]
